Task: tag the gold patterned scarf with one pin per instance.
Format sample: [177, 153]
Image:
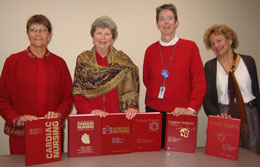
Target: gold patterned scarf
[92, 80]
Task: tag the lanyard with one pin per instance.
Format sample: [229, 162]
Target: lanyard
[165, 73]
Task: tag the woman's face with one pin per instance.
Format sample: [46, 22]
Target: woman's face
[220, 45]
[39, 36]
[102, 38]
[166, 22]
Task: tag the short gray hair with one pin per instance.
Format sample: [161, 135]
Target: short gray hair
[170, 7]
[104, 22]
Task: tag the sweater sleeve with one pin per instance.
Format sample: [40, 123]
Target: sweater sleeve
[146, 72]
[198, 80]
[65, 105]
[82, 104]
[7, 111]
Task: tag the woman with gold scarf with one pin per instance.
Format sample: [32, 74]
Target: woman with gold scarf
[106, 80]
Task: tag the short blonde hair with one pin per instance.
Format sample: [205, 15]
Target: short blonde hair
[220, 30]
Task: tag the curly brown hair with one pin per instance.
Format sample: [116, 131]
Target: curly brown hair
[222, 29]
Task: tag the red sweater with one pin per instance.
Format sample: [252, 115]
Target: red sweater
[186, 85]
[107, 102]
[19, 92]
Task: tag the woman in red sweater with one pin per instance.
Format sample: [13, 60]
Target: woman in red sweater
[106, 80]
[173, 71]
[34, 83]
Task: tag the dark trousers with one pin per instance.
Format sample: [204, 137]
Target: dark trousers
[148, 109]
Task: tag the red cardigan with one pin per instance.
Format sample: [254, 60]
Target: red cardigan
[18, 90]
[186, 85]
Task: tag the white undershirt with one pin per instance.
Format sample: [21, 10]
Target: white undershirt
[172, 42]
[243, 79]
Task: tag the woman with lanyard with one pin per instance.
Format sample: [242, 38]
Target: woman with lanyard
[173, 71]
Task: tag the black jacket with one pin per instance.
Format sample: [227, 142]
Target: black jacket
[210, 103]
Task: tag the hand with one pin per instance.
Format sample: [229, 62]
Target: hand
[130, 113]
[224, 115]
[100, 113]
[52, 114]
[20, 121]
[182, 111]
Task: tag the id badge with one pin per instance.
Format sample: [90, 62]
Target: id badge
[161, 92]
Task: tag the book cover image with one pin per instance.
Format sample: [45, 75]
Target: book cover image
[147, 131]
[84, 135]
[223, 136]
[116, 134]
[181, 131]
[42, 141]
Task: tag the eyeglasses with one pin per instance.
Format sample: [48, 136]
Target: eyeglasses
[41, 30]
[169, 18]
